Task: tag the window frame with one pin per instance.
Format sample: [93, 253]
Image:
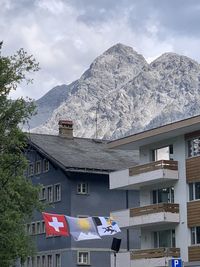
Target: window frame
[193, 234]
[47, 193]
[30, 171]
[81, 191]
[190, 154]
[55, 192]
[36, 169]
[43, 195]
[193, 191]
[56, 263]
[45, 165]
[80, 262]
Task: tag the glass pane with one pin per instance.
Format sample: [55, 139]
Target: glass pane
[191, 192]
[154, 196]
[165, 238]
[155, 237]
[196, 147]
[193, 235]
[198, 234]
[197, 190]
[162, 153]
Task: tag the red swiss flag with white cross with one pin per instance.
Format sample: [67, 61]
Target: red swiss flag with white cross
[55, 224]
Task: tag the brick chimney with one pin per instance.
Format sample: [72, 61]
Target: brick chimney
[65, 128]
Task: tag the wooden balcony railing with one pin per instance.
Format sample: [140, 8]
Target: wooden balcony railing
[155, 253]
[156, 165]
[155, 208]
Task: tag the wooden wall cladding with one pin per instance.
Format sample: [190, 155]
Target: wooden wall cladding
[193, 213]
[194, 253]
[193, 169]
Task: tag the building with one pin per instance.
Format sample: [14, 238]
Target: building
[168, 178]
[74, 175]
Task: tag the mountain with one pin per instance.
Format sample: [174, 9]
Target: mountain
[125, 94]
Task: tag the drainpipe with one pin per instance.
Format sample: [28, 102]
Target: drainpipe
[127, 231]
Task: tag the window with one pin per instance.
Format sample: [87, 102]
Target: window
[194, 147]
[194, 191]
[57, 192]
[38, 227]
[42, 195]
[45, 165]
[49, 261]
[164, 239]
[43, 261]
[30, 169]
[33, 261]
[42, 227]
[164, 195]
[33, 232]
[82, 188]
[38, 167]
[29, 262]
[50, 193]
[163, 153]
[57, 260]
[38, 261]
[195, 235]
[83, 258]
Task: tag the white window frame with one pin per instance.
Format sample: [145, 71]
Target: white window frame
[47, 198]
[49, 256]
[194, 232]
[80, 186]
[57, 264]
[38, 229]
[190, 154]
[38, 170]
[30, 170]
[43, 193]
[38, 263]
[192, 195]
[80, 257]
[45, 165]
[56, 198]
[33, 224]
[43, 263]
[42, 227]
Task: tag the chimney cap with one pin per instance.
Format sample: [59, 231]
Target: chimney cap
[68, 122]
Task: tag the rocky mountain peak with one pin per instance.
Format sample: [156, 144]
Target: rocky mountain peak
[122, 94]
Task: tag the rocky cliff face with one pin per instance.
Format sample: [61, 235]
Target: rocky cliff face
[122, 94]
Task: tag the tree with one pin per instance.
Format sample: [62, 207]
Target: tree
[18, 197]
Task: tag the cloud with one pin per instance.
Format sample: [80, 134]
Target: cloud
[66, 36]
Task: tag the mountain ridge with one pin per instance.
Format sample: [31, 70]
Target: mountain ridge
[127, 95]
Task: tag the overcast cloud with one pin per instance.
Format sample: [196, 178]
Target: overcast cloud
[65, 36]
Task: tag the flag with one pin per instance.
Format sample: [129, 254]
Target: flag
[106, 226]
[82, 228]
[55, 224]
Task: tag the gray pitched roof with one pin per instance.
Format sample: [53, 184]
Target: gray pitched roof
[82, 154]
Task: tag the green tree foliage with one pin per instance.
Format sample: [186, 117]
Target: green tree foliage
[18, 197]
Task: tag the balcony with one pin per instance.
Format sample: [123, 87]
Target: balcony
[151, 215]
[147, 257]
[145, 175]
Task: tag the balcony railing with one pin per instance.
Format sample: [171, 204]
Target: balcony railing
[155, 208]
[155, 253]
[156, 165]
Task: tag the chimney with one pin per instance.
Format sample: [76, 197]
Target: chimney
[66, 128]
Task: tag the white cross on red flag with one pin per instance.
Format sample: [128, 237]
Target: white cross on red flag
[55, 224]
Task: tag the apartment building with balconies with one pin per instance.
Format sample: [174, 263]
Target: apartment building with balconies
[168, 178]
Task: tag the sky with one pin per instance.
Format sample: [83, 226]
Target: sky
[65, 36]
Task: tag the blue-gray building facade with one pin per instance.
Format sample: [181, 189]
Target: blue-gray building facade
[72, 184]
